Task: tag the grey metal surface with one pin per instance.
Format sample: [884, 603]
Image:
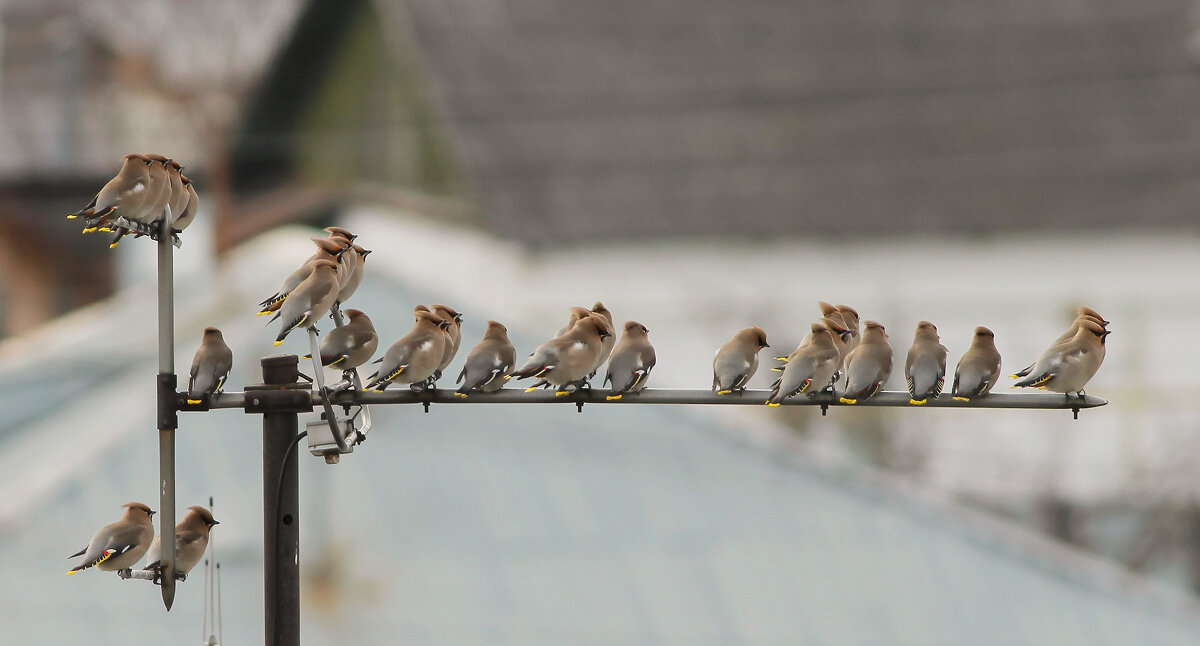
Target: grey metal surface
[166, 434]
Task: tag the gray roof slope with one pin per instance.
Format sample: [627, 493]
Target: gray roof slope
[519, 525]
[630, 118]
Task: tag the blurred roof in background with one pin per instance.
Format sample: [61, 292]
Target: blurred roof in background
[576, 121]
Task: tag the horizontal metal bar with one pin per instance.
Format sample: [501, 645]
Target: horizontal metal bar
[401, 395]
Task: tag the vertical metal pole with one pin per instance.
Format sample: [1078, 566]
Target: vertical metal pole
[167, 418]
[281, 510]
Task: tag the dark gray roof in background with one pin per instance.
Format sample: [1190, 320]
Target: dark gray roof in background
[710, 117]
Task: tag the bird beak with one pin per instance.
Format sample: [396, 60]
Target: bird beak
[215, 522]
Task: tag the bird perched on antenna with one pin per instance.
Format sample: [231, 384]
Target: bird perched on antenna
[147, 187]
[210, 366]
[1067, 366]
[489, 363]
[737, 361]
[121, 544]
[191, 539]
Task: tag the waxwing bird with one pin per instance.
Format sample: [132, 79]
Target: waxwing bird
[454, 331]
[609, 341]
[356, 260]
[327, 249]
[979, 367]
[1067, 367]
[340, 232]
[183, 219]
[810, 368]
[413, 358]
[120, 544]
[179, 194]
[311, 300]
[869, 365]
[210, 366]
[925, 367]
[158, 197]
[124, 193]
[567, 359]
[1080, 312]
[351, 345]
[737, 360]
[576, 314]
[850, 319]
[489, 363]
[191, 540]
[631, 362]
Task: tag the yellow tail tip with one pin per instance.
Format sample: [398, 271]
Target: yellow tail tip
[613, 398]
[776, 369]
[847, 401]
[507, 377]
[73, 572]
[531, 389]
[460, 395]
[724, 392]
[773, 404]
[1041, 387]
[89, 230]
[781, 358]
[103, 229]
[279, 343]
[961, 399]
[917, 402]
[264, 313]
[307, 356]
[561, 393]
[195, 401]
[113, 245]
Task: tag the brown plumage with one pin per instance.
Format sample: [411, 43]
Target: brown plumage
[979, 367]
[737, 361]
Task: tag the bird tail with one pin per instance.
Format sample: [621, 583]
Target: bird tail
[1034, 381]
[1023, 371]
[94, 562]
[299, 322]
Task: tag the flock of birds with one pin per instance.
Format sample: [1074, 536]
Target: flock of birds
[839, 358]
[148, 188]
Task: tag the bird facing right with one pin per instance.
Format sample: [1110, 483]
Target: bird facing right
[191, 539]
[121, 544]
[737, 361]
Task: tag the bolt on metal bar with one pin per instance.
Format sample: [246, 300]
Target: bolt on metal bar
[167, 420]
[400, 395]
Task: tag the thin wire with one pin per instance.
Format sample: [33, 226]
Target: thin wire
[220, 613]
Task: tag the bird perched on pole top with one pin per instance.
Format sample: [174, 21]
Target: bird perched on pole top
[121, 544]
[737, 361]
[489, 363]
[191, 539]
[210, 366]
[123, 194]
